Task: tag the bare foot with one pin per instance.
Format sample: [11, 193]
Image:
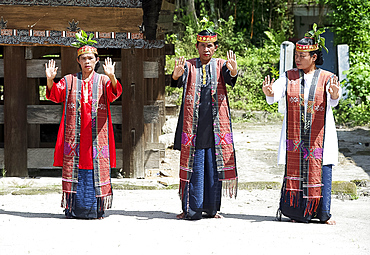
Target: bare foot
[180, 216]
[331, 222]
[218, 216]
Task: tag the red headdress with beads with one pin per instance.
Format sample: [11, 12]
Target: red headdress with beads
[315, 35]
[87, 49]
[305, 48]
[207, 38]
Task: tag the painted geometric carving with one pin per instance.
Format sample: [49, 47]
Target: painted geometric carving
[3, 23]
[73, 26]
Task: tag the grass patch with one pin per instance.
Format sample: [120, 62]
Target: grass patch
[258, 185]
[133, 187]
[33, 191]
[4, 192]
[172, 186]
[37, 191]
[143, 187]
[344, 189]
[23, 185]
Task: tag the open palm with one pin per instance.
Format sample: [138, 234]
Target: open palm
[109, 67]
[51, 70]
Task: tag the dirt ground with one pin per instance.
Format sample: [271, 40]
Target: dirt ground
[144, 221]
[256, 148]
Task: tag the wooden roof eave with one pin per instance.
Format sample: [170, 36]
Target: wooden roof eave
[21, 37]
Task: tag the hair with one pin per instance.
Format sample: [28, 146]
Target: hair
[206, 32]
[309, 41]
[97, 65]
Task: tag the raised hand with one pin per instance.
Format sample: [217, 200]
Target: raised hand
[231, 63]
[334, 87]
[51, 70]
[267, 86]
[109, 67]
[179, 68]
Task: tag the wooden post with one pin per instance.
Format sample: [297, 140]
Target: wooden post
[162, 88]
[69, 60]
[133, 142]
[148, 127]
[15, 111]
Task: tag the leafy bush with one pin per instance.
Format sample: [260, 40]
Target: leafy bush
[351, 23]
[355, 108]
[253, 63]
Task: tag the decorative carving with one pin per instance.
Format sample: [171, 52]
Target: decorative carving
[65, 38]
[73, 26]
[3, 23]
[87, 3]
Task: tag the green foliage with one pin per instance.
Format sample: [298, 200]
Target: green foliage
[358, 84]
[253, 63]
[351, 113]
[316, 35]
[355, 109]
[83, 39]
[351, 23]
[253, 67]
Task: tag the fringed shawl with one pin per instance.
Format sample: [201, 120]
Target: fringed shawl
[99, 125]
[224, 147]
[304, 145]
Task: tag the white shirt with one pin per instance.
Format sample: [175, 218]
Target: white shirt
[330, 154]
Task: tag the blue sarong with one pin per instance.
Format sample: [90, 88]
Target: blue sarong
[323, 212]
[85, 203]
[203, 192]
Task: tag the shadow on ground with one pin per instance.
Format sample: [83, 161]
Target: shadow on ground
[140, 215]
[355, 146]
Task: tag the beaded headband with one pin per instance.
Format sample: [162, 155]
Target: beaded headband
[207, 38]
[87, 49]
[306, 48]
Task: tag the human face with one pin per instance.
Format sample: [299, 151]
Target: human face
[87, 62]
[206, 51]
[305, 61]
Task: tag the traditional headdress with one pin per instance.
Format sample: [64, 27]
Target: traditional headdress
[315, 35]
[84, 43]
[207, 38]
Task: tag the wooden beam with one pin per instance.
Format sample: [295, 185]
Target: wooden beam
[15, 112]
[44, 114]
[36, 67]
[33, 94]
[43, 158]
[94, 19]
[52, 114]
[150, 69]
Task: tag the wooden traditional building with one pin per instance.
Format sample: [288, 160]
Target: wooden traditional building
[129, 31]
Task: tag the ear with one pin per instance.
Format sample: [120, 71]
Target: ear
[314, 57]
[216, 46]
[97, 59]
[196, 45]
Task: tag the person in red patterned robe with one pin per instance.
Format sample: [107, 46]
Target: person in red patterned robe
[85, 145]
[308, 143]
